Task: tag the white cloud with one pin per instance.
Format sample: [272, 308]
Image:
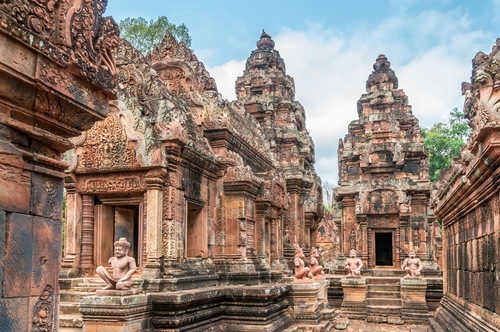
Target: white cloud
[225, 76]
[430, 52]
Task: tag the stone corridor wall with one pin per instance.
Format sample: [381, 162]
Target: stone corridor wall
[57, 76]
[468, 204]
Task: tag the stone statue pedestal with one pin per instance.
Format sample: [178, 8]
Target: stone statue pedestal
[310, 305]
[130, 313]
[117, 292]
[413, 300]
[354, 302]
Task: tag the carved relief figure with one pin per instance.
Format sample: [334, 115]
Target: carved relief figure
[317, 272]
[353, 265]
[123, 266]
[352, 239]
[301, 272]
[412, 265]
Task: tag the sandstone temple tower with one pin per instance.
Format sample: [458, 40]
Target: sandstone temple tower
[208, 192]
[384, 184]
[268, 93]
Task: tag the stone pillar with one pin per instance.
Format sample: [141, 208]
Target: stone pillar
[397, 248]
[413, 299]
[354, 302]
[154, 219]
[275, 251]
[261, 209]
[364, 241]
[72, 233]
[87, 250]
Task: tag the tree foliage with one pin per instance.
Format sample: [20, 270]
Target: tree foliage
[445, 141]
[143, 34]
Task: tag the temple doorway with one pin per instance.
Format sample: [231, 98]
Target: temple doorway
[195, 242]
[113, 223]
[383, 249]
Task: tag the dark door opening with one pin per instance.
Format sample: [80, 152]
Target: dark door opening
[383, 248]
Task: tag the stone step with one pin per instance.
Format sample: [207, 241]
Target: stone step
[384, 294]
[69, 308]
[434, 326]
[381, 301]
[69, 296]
[386, 288]
[384, 319]
[87, 289]
[70, 321]
[387, 273]
[382, 281]
[394, 310]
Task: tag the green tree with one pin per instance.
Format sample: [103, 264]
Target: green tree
[445, 141]
[143, 35]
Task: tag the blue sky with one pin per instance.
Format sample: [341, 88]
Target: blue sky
[330, 46]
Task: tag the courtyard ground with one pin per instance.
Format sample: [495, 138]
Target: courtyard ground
[362, 326]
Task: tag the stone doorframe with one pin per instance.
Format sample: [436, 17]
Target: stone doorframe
[372, 249]
[127, 201]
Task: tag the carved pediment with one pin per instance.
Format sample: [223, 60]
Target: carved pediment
[377, 202]
[106, 145]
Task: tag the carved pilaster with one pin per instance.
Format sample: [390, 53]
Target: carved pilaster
[275, 250]
[72, 233]
[364, 241]
[154, 220]
[87, 250]
[261, 209]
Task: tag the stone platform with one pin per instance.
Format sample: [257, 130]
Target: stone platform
[130, 313]
[223, 308]
[387, 299]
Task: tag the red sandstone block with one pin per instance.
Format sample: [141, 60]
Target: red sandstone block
[18, 257]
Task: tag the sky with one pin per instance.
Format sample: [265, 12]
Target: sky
[329, 48]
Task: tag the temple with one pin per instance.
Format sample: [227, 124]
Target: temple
[268, 93]
[380, 211]
[384, 185]
[178, 210]
[208, 192]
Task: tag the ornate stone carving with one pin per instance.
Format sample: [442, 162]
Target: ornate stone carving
[179, 68]
[412, 266]
[73, 33]
[353, 265]
[106, 145]
[123, 267]
[316, 269]
[43, 311]
[115, 184]
[302, 273]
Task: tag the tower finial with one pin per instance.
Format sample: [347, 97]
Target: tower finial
[265, 41]
[382, 73]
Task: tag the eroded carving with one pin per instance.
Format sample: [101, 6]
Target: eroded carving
[353, 265]
[123, 267]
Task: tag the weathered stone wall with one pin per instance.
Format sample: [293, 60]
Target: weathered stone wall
[468, 204]
[57, 76]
